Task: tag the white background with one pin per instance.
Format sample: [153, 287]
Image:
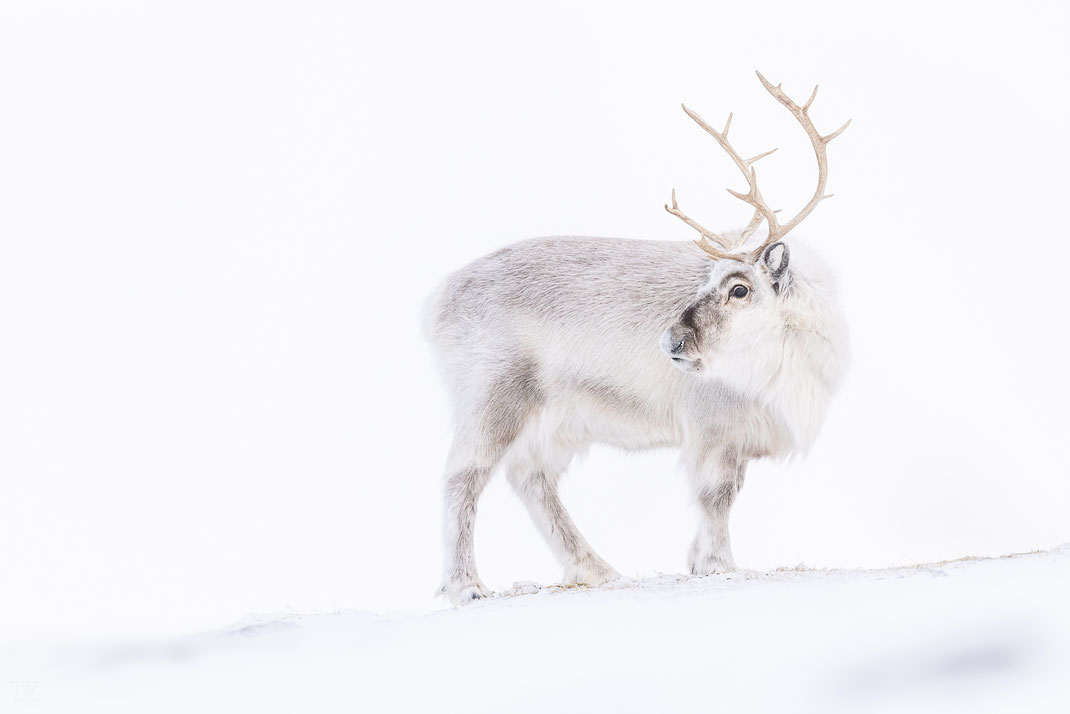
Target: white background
[218, 222]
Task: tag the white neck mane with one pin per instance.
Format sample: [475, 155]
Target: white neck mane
[814, 355]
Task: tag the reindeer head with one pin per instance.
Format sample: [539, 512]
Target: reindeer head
[732, 329]
[733, 315]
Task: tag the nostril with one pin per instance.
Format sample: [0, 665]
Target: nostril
[674, 342]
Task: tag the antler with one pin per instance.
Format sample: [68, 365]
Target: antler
[820, 143]
[760, 212]
[754, 195]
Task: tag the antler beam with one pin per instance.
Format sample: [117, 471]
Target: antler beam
[820, 144]
[745, 167]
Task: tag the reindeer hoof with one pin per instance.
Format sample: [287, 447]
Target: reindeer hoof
[462, 593]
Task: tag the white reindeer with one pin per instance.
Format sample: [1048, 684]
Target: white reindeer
[553, 344]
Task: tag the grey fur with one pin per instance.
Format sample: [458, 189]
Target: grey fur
[513, 394]
[463, 489]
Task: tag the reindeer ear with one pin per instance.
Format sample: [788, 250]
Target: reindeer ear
[775, 260]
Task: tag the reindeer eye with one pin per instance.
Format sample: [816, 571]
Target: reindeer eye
[740, 291]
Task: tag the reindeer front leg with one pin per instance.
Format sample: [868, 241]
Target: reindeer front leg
[716, 477]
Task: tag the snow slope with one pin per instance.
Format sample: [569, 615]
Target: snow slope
[977, 635]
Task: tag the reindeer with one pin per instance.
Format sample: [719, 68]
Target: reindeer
[551, 345]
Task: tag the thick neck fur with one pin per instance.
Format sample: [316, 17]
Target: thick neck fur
[813, 337]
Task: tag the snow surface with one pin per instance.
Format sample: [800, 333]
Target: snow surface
[977, 635]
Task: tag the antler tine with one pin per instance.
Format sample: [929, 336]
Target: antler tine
[747, 232]
[707, 235]
[820, 143]
[714, 253]
[753, 225]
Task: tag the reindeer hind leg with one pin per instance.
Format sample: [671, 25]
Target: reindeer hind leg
[535, 480]
[486, 430]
